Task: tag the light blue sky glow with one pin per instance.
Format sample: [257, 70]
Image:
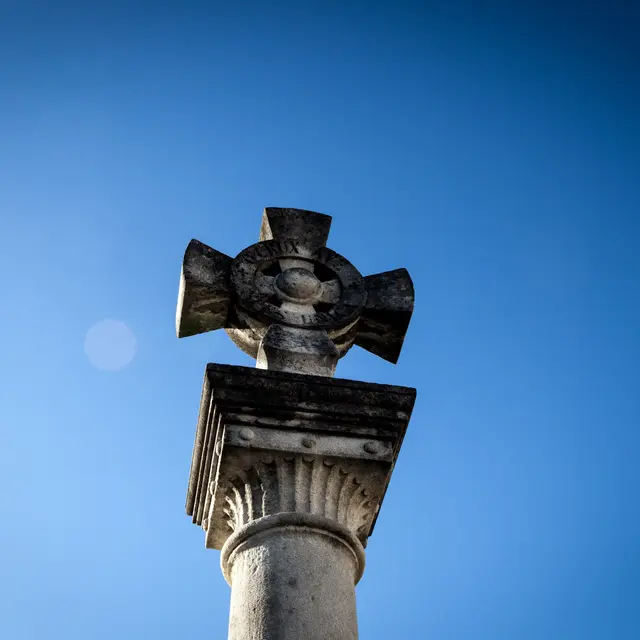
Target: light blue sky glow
[492, 148]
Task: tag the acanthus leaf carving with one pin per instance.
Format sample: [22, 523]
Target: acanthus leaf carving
[301, 483]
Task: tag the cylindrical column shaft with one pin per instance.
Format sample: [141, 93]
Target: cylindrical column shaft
[292, 582]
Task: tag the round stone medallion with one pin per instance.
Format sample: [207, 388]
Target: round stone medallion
[283, 281]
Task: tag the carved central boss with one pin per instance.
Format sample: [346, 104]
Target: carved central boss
[289, 301]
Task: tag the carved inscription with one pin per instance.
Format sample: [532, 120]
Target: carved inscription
[270, 250]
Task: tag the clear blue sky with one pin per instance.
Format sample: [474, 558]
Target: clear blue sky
[493, 149]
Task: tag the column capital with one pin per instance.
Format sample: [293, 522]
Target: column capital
[274, 442]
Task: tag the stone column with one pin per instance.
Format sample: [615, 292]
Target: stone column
[287, 478]
[290, 466]
[293, 576]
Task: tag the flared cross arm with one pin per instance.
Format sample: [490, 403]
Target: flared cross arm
[305, 227]
[291, 302]
[204, 296]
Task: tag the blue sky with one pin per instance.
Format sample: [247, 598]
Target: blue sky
[490, 148]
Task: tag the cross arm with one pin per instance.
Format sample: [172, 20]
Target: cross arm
[204, 297]
[307, 228]
[385, 317]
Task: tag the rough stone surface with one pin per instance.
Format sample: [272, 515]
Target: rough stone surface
[291, 349]
[289, 297]
[204, 296]
[386, 315]
[307, 227]
[293, 579]
[271, 442]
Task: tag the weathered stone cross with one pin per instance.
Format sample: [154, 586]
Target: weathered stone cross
[289, 471]
[289, 301]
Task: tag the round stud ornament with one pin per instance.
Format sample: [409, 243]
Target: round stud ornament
[285, 282]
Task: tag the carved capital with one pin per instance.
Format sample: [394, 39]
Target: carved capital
[336, 489]
[273, 442]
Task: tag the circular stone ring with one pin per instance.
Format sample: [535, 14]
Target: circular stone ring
[283, 281]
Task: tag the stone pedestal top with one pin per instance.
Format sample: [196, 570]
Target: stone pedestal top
[274, 442]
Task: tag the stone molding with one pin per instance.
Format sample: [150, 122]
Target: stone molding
[304, 523]
[275, 442]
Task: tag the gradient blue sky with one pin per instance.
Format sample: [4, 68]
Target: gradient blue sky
[490, 148]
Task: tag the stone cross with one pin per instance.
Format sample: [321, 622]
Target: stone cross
[290, 466]
[289, 301]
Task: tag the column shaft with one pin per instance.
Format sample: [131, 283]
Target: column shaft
[292, 582]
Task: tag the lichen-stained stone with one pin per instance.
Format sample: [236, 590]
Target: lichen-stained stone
[291, 349]
[292, 577]
[309, 228]
[271, 442]
[384, 320]
[204, 296]
[291, 302]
